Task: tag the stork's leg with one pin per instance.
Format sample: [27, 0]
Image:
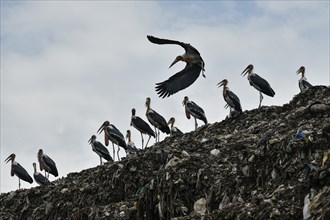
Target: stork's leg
[142, 140]
[156, 134]
[261, 98]
[118, 153]
[114, 152]
[100, 160]
[19, 183]
[195, 123]
[148, 141]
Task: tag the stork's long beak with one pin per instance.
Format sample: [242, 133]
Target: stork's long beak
[220, 84]
[8, 159]
[175, 61]
[247, 69]
[101, 128]
[298, 71]
[90, 141]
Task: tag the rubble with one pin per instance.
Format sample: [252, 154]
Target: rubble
[266, 163]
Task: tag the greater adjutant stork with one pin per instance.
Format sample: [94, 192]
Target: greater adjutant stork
[174, 130]
[191, 108]
[130, 144]
[114, 135]
[142, 126]
[46, 163]
[156, 120]
[303, 83]
[230, 97]
[38, 177]
[18, 170]
[258, 83]
[187, 76]
[100, 149]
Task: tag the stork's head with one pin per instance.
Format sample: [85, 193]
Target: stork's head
[248, 70]
[103, 126]
[301, 70]
[40, 152]
[177, 59]
[10, 158]
[185, 100]
[148, 100]
[35, 167]
[171, 121]
[93, 138]
[223, 83]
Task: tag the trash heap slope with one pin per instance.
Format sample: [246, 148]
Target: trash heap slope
[265, 164]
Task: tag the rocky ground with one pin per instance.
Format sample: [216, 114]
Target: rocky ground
[267, 163]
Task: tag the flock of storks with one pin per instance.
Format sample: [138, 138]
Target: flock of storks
[179, 81]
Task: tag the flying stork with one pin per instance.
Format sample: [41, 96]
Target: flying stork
[191, 108]
[130, 144]
[230, 97]
[142, 126]
[100, 149]
[38, 177]
[187, 76]
[114, 135]
[18, 170]
[303, 83]
[174, 130]
[258, 83]
[46, 163]
[156, 120]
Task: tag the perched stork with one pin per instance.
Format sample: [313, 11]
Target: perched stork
[230, 97]
[142, 126]
[187, 76]
[18, 170]
[130, 144]
[258, 83]
[100, 149]
[38, 177]
[191, 108]
[114, 135]
[156, 120]
[46, 163]
[174, 130]
[303, 83]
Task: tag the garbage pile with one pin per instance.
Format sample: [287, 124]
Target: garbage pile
[267, 163]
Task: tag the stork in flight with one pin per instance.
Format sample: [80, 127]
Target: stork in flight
[258, 83]
[187, 76]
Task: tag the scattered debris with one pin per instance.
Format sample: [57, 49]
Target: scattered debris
[215, 172]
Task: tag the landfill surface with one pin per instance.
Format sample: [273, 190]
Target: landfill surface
[267, 163]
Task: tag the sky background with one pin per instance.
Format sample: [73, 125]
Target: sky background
[67, 66]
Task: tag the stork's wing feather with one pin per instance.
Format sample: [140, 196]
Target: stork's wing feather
[142, 126]
[187, 47]
[117, 135]
[22, 173]
[262, 85]
[160, 120]
[306, 84]
[51, 164]
[233, 97]
[179, 81]
[101, 150]
[197, 111]
[40, 179]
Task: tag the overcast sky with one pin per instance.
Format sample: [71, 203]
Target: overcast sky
[66, 67]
